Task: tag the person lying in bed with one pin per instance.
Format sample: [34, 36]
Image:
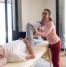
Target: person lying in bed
[16, 51]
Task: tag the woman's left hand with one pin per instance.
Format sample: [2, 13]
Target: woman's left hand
[38, 29]
[32, 29]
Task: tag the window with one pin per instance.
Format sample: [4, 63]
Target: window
[2, 23]
[9, 20]
[2, 0]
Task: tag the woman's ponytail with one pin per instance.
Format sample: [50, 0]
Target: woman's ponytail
[49, 14]
[50, 19]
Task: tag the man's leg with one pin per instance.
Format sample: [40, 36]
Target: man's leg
[29, 35]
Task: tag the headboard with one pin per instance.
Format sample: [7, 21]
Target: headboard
[16, 35]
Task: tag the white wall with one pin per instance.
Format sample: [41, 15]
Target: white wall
[51, 4]
[31, 10]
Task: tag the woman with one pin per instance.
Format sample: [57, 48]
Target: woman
[47, 30]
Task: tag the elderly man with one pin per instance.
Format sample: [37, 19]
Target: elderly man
[16, 51]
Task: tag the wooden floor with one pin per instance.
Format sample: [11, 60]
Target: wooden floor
[62, 62]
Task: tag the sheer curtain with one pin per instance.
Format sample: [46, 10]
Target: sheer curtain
[2, 24]
[62, 22]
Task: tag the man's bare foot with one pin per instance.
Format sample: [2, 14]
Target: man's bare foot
[20, 38]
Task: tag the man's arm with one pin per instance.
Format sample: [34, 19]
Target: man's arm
[31, 52]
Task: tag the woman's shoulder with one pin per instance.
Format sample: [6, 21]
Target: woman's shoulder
[51, 23]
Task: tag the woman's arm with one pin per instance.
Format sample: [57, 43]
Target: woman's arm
[47, 30]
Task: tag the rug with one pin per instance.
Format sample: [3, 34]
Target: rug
[42, 63]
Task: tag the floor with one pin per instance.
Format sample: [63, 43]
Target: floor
[62, 62]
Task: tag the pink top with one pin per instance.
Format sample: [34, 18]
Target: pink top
[48, 31]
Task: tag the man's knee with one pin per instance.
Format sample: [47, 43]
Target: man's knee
[28, 24]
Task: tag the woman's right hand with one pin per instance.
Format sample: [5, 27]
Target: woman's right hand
[32, 29]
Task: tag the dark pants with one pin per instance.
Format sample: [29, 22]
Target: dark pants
[55, 51]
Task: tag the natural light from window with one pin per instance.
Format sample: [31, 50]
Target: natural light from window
[2, 24]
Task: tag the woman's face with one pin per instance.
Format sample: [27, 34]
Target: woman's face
[45, 15]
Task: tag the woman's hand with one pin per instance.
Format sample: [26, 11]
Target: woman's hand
[38, 29]
[32, 29]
